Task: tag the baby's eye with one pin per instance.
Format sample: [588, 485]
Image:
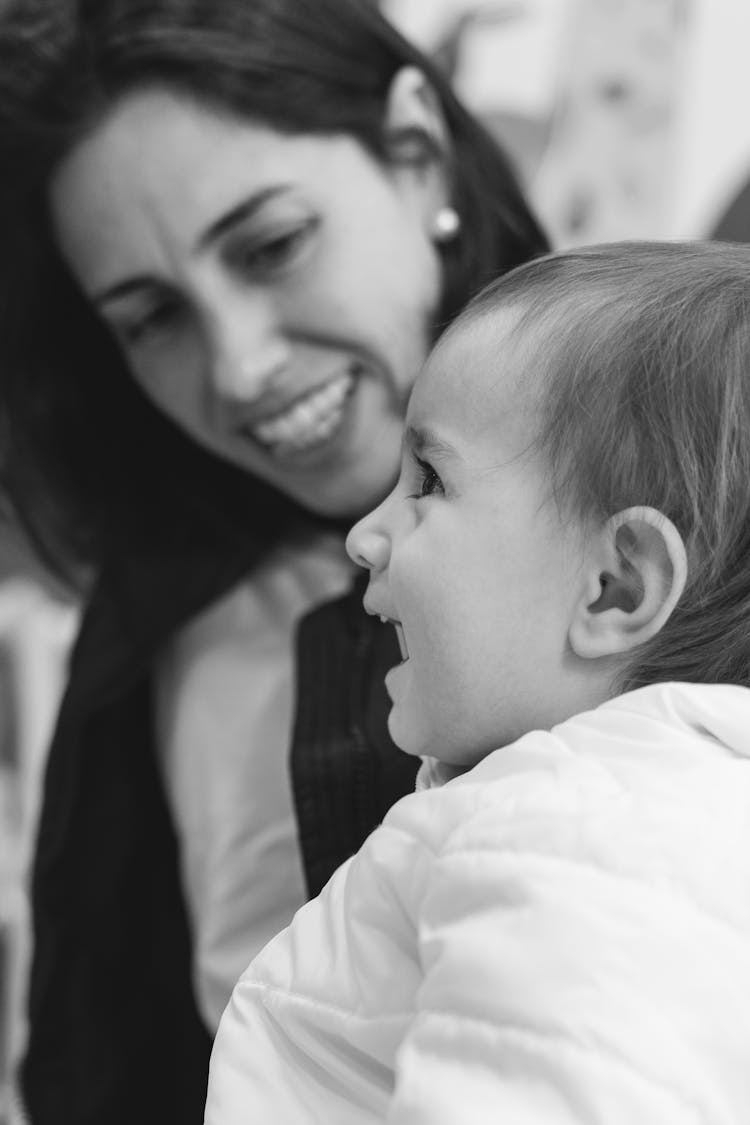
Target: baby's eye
[430, 483]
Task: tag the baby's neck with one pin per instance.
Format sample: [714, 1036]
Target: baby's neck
[433, 773]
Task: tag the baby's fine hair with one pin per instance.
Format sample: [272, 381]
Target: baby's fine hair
[643, 353]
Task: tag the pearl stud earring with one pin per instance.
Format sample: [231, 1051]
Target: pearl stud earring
[446, 224]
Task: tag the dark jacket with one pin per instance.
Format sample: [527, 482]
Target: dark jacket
[115, 1034]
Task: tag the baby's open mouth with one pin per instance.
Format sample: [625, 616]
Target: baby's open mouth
[400, 634]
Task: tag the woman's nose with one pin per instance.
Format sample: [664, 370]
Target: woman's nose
[368, 543]
[248, 353]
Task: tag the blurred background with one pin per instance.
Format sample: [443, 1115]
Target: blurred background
[624, 118]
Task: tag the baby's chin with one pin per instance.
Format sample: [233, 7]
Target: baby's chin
[455, 751]
[423, 747]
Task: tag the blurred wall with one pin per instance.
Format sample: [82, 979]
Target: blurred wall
[36, 630]
[626, 118]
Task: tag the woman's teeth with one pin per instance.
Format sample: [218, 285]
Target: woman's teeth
[309, 422]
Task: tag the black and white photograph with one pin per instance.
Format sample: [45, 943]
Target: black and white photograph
[374, 562]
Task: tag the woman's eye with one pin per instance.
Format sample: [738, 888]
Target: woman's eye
[429, 482]
[158, 320]
[275, 252]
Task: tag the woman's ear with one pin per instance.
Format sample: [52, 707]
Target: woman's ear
[637, 572]
[414, 117]
[419, 150]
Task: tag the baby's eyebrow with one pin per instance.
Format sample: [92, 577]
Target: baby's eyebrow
[424, 442]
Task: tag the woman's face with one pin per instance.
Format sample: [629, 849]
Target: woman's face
[272, 294]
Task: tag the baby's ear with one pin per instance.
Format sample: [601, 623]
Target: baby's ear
[637, 572]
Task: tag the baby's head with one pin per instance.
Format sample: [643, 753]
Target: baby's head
[572, 518]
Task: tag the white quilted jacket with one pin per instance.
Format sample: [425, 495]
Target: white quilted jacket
[560, 936]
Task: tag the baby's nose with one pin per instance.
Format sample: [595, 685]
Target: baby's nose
[367, 543]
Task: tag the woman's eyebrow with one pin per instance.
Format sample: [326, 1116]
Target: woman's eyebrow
[239, 213]
[125, 288]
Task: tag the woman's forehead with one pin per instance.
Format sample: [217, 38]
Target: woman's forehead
[167, 133]
[163, 170]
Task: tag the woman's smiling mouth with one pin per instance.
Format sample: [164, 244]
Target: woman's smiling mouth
[309, 422]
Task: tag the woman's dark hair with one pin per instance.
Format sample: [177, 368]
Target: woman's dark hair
[82, 451]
